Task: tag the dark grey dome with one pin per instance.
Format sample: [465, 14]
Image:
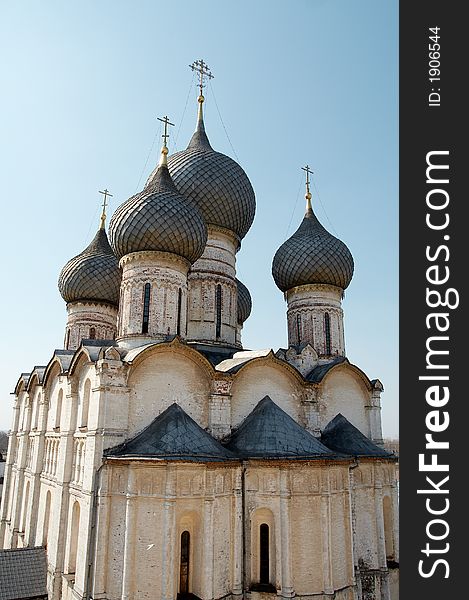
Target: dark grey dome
[159, 219]
[215, 183]
[92, 275]
[244, 302]
[312, 255]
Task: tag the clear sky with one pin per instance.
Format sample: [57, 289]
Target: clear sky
[305, 81]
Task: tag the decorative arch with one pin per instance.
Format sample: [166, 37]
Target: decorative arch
[73, 538]
[266, 376]
[162, 374]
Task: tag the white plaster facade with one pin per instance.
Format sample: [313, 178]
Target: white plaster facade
[160, 527]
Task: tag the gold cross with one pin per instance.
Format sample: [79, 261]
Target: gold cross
[106, 193]
[202, 68]
[166, 122]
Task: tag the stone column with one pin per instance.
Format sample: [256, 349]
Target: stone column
[208, 565]
[374, 412]
[238, 536]
[169, 537]
[128, 574]
[287, 590]
[395, 520]
[326, 536]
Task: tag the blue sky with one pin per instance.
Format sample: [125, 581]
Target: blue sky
[309, 81]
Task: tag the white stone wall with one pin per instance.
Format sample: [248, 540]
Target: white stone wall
[307, 307]
[216, 267]
[86, 319]
[167, 276]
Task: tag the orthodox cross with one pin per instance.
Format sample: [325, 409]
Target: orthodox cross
[166, 122]
[202, 68]
[308, 171]
[106, 193]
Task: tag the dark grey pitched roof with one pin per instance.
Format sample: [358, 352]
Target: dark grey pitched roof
[341, 436]
[23, 573]
[269, 432]
[173, 435]
[317, 374]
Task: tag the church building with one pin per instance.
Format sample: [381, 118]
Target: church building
[156, 459]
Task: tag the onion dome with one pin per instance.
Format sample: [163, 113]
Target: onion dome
[244, 302]
[214, 182]
[159, 219]
[93, 275]
[312, 255]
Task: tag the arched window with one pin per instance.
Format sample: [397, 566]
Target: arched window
[25, 507]
[264, 554]
[388, 533]
[58, 411]
[218, 301]
[67, 344]
[184, 567]
[298, 328]
[327, 332]
[85, 404]
[92, 333]
[146, 308]
[45, 529]
[36, 411]
[178, 330]
[75, 525]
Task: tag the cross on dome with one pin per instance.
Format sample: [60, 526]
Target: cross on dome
[105, 193]
[308, 193]
[203, 70]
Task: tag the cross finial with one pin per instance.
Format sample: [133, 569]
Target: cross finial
[308, 193]
[166, 122]
[105, 193]
[203, 70]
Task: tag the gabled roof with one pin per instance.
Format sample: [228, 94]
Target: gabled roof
[23, 573]
[173, 435]
[341, 436]
[269, 432]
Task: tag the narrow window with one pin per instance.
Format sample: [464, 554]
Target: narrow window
[218, 299]
[92, 333]
[298, 328]
[264, 554]
[67, 345]
[327, 330]
[184, 569]
[45, 528]
[178, 330]
[72, 557]
[146, 308]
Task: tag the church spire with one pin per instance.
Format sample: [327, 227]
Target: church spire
[105, 193]
[308, 192]
[164, 149]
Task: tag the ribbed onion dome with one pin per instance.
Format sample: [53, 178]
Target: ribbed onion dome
[93, 275]
[159, 219]
[214, 182]
[312, 255]
[244, 302]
